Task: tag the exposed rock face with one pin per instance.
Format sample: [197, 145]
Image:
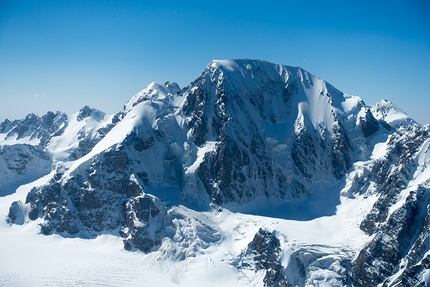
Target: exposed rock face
[246, 115]
[370, 125]
[145, 217]
[400, 244]
[6, 126]
[105, 198]
[263, 253]
[393, 172]
[18, 157]
[41, 128]
[16, 214]
[400, 235]
[106, 194]
[21, 163]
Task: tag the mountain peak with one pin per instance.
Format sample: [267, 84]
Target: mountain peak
[88, 111]
[154, 91]
[271, 87]
[391, 113]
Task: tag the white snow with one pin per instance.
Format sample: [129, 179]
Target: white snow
[201, 152]
[426, 277]
[5, 140]
[31, 259]
[422, 173]
[392, 114]
[227, 64]
[350, 103]
[154, 92]
[61, 146]
[379, 150]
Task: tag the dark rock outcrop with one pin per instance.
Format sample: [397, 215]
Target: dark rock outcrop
[263, 253]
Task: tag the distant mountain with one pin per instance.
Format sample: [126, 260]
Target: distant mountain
[34, 129]
[176, 166]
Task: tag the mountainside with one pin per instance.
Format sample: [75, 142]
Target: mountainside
[266, 171]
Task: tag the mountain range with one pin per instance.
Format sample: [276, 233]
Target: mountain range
[255, 174]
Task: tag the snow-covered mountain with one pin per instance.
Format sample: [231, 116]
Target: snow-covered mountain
[392, 114]
[254, 174]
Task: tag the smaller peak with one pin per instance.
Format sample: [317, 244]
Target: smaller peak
[153, 85]
[386, 105]
[6, 122]
[172, 86]
[162, 89]
[50, 117]
[85, 109]
[30, 116]
[6, 126]
[88, 111]
[385, 102]
[391, 113]
[154, 92]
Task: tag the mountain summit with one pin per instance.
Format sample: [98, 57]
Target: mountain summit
[302, 184]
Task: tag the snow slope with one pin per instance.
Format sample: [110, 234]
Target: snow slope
[391, 113]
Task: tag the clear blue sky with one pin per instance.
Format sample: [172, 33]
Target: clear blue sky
[62, 55]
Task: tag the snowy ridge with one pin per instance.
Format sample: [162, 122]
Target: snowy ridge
[154, 91]
[256, 174]
[81, 126]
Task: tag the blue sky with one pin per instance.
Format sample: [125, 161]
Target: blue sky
[62, 55]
